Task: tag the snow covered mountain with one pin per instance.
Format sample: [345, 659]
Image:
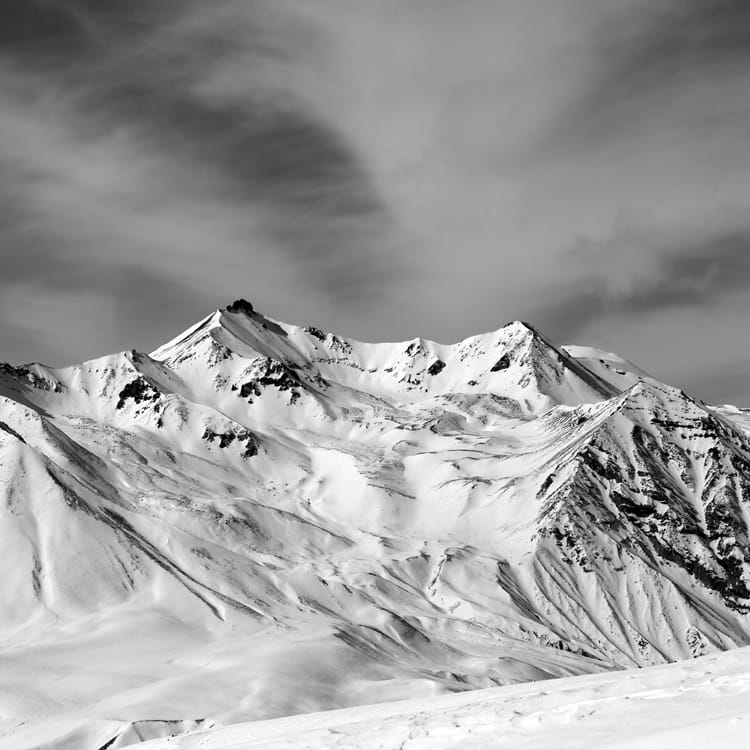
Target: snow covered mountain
[259, 519]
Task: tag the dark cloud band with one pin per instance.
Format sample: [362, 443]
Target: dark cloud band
[138, 67]
[683, 276]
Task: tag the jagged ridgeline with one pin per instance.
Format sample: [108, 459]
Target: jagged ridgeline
[472, 514]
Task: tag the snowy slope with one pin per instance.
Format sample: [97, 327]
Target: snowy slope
[303, 522]
[701, 704]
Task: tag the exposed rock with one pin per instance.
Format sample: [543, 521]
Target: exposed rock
[315, 333]
[241, 306]
[139, 390]
[271, 372]
[502, 364]
[436, 367]
[228, 437]
[32, 378]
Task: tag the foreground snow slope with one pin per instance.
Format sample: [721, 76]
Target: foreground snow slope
[258, 520]
[698, 704]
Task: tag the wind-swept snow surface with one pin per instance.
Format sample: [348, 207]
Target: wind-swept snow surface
[700, 704]
[258, 520]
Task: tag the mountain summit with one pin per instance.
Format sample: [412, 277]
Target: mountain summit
[300, 521]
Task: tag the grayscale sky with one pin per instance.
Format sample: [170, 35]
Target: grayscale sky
[381, 168]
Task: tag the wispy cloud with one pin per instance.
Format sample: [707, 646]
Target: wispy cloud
[125, 163]
[632, 276]
[386, 169]
[502, 132]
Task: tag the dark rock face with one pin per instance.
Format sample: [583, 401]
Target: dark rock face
[248, 389]
[28, 375]
[654, 511]
[279, 376]
[227, 438]
[16, 372]
[241, 306]
[6, 428]
[139, 390]
[502, 364]
[436, 367]
[316, 333]
[271, 372]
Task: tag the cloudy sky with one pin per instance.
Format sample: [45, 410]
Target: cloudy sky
[381, 168]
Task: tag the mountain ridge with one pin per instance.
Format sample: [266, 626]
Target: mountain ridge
[411, 515]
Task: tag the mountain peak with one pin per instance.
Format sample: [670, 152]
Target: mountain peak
[402, 514]
[240, 306]
[520, 327]
[516, 361]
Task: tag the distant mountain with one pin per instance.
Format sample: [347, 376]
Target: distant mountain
[380, 520]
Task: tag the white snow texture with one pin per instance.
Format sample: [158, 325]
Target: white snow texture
[259, 520]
